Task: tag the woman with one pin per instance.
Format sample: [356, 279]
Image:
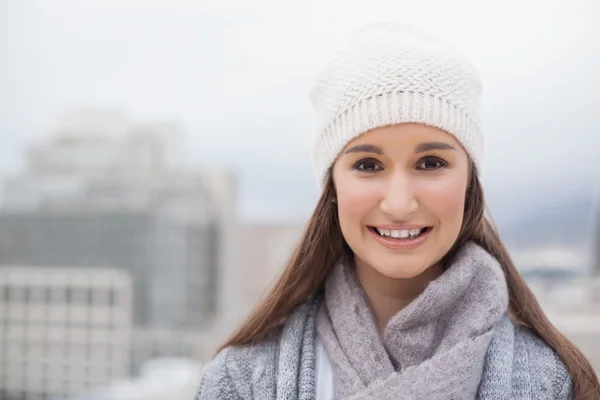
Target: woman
[400, 287]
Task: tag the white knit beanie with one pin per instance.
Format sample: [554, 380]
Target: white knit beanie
[391, 74]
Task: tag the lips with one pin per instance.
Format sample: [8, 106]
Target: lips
[400, 233]
[400, 238]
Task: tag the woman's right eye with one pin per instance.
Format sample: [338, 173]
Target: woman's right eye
[367, 165]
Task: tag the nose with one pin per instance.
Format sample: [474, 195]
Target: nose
[399, 199]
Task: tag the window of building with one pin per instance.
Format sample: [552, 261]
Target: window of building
[78, 352]
[112, 297]
[89, 371]
[79, 296]
[15, 294]
[101, 297]
[37, 295]
[89, 297]
[46, 384]
[34, 351]
[14, 351]
[57, 294]
[56, 353]
[45, 296]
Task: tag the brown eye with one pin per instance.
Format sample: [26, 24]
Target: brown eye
[367, 165]
[431, 163]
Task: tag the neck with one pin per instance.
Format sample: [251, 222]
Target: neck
[388, 296]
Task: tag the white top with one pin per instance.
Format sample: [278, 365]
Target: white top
[323, 374]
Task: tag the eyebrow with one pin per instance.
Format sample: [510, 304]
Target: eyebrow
[421, 148]
[364, 148]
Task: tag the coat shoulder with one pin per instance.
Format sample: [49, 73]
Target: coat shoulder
[249, 371]
[547, 373]
[216, 381]
[233, 372]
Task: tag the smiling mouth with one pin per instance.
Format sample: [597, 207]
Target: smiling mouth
[400, 234]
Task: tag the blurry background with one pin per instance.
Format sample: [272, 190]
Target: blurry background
[156, 172]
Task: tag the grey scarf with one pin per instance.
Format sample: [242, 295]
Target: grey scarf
[432, 349]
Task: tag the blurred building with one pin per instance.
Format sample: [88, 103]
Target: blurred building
[63, 330]
[264, 251]
[572, 306]
[596, 239]
[104, 191]
[160, 379]
[570, 260]
[165, 254]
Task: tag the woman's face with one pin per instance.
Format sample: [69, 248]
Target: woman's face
[400, 196]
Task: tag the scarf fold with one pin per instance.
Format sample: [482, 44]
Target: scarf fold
[432, 349]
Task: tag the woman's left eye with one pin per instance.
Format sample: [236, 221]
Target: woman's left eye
[431, 163]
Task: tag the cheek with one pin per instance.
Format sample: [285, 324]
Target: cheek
[445, 199]
[355, 201]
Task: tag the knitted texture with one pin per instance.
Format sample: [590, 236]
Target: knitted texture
[517, 363]
[391, 74]
[432, 349]
[518, 366]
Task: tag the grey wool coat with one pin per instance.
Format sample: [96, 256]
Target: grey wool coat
[518, 366]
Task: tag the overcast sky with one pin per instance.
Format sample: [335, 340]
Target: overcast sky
[235, 76]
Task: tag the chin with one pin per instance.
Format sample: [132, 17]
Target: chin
[396, 269]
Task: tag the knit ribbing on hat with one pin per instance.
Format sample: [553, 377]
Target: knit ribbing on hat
[390, 75]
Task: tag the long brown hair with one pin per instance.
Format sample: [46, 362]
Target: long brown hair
[322, 244]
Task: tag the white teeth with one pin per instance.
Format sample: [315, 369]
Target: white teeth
[383, 232]
[399, 233]
[415, 232]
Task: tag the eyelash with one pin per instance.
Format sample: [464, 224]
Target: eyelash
[442, 164]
